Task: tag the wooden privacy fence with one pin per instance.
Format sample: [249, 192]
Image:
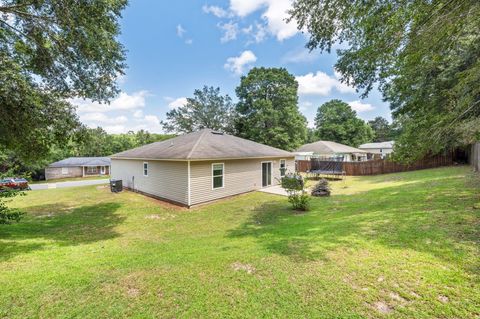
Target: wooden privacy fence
[381, 166]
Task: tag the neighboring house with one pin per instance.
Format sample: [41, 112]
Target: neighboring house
[78, 167]
[200, 167]
[381, 149]
[330, 151]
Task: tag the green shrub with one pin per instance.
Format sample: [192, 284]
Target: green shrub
[299, 200]
[295, 188]
[9, 215]
[322, 188]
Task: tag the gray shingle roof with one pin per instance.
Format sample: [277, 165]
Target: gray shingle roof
[388, 144]
[203, 145]
[328, 147]
[82, 161]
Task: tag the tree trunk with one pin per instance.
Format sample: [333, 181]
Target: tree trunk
[476, 157]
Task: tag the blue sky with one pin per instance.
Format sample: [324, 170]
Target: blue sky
[175, 47]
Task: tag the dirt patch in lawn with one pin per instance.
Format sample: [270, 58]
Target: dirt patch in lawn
[160, 217]
[443, 299]
[133, 292]
[382, 307]
[238, 266]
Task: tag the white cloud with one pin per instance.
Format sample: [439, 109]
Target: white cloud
[311, 123]
[102, 118]
[137, 114]
[320, 84]
[174, 103]
[124, 101]
[149, 122]
[305, 105]
[300, 56]
[240, 63]
[243, 8]
[342, 87]
[275, 15]
[361, 107]
[216, 11]
[230, 31]
[189, 41]
[180, 31]
[257, 32]
[116, 129]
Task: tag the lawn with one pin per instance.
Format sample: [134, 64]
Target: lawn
[394, 246]
[71, 179]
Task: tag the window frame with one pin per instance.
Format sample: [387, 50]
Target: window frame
[213, 176]
[65, 171]
[280, 167]
[92, 170]
[145, 169]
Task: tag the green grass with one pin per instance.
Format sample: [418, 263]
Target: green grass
[395, 246]
[72, 179]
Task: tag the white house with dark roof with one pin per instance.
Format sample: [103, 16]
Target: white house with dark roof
[78, 167]
[330, 150]
[200, 167]
[380, 148]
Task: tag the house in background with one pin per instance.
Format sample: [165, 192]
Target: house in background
[78, 167]
[200, 167]
[328, 150]
[381, 149]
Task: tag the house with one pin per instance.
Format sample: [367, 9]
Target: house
[200, 167]
[330, 151]
[381, 149]
[78, 167]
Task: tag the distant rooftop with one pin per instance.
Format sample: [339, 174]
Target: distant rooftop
[328, 147]
[82, 161]
[203, 145]
[388, 144]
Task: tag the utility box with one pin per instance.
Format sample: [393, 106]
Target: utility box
[116, 185]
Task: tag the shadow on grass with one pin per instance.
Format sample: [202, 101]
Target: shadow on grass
[434, 217]
[63, 225]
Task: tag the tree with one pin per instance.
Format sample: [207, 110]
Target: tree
[336, 121]
[382, 129]
[50, 51]
[207, 109]
[423, 54]
[267, 111]
[95, 142]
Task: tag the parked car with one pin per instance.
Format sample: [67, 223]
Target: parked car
[14, 183]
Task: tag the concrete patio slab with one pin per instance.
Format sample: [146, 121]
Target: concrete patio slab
[277, 190]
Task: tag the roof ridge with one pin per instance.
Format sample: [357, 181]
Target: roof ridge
[189, 155]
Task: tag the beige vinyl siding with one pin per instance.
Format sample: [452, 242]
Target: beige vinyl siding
[240, 176]
[166, 179]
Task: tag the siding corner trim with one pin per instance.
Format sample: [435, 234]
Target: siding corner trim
[188, 186]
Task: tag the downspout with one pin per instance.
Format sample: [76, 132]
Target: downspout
[188, 187]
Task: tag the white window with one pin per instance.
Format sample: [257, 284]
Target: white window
[217, 175]
[145, 169]
[64, 170]
[283, 167]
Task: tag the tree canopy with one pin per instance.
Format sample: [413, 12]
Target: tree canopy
[383, 130]
[267, 111]
[336, 121]
[423, 55]
[207, 109]
[50, 51]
